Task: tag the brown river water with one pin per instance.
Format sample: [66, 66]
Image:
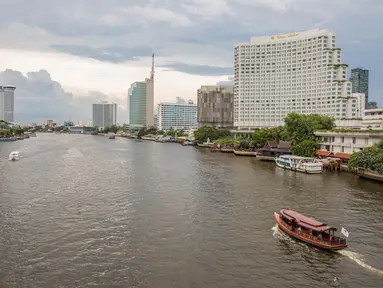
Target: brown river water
[86, 211]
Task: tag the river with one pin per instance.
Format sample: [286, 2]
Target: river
[86, 211]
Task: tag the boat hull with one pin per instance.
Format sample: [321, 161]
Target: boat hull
[308, 238]
[311, 170]
[245, 153]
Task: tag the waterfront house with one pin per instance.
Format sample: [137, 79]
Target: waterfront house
[273, 149]
[348, 141]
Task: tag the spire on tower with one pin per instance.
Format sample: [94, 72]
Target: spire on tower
[152, 72]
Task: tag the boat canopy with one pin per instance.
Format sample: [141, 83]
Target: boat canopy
[306, 222]
[295, 157]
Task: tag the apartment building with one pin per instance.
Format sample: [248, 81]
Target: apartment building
[299, 72]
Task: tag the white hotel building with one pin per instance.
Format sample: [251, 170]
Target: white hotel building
[177, 116]
[299, 72]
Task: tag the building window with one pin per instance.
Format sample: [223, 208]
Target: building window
[366, 141]
[353, 140]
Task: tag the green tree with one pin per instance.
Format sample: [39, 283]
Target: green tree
[141, 133]
[306, 148]
[370, 158]
[205, 132]
[151, 130]
[300, 127]
[114, 129]
[160, 132]
[261, 136]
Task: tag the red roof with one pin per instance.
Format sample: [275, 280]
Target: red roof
[323, 153]
[342, 156]
[304, 221]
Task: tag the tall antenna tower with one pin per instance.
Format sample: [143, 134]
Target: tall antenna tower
[152, 72]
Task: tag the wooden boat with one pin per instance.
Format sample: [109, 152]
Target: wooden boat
[300, 164]
[245, 153]
[309, 230]
[112, 137]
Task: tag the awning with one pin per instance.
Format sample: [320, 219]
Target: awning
[323, 153]
[343, 156]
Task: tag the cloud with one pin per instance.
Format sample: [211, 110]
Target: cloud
[199, 69]
[193, 36]
[38, 97]
[110, 54]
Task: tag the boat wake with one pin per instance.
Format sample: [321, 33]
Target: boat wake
[359, 259]
[279, 234]
[356, 257]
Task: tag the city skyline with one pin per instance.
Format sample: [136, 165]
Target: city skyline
[90, 56]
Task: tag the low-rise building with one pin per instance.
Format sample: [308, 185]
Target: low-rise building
[347, 141]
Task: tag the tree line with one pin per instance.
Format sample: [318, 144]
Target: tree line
[298, 130]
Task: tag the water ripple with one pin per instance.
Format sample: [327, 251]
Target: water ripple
[82, 211]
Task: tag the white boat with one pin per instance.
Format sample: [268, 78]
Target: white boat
[301, 164]
[14, 156]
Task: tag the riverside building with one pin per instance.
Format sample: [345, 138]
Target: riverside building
[104, 114]
[299, 72]
[215, 106]
[7, 103]
[141, 101]
[177, 116]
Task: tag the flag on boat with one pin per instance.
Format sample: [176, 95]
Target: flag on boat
[344, 232]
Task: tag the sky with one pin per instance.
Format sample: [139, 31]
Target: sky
[65, 55]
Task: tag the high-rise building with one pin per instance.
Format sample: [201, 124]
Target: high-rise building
[141, 101]
[215, 106]
[359, 80]
[104, 114]
[298, 72]
[177, 116]
[7, 103]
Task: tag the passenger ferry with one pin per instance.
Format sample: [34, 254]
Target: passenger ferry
[301, 164]
[309, 230]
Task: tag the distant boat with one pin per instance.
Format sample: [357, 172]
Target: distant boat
[112, 137]
[138, 140]
[10, 139]
[19, 138]
[14, 156]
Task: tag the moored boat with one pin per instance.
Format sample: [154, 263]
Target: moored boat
[300, 164]
[8, 139]
[227, 150]
[309, 230]
[112, 137]
[245, 153]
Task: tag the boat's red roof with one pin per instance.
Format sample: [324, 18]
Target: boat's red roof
[304, 221]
